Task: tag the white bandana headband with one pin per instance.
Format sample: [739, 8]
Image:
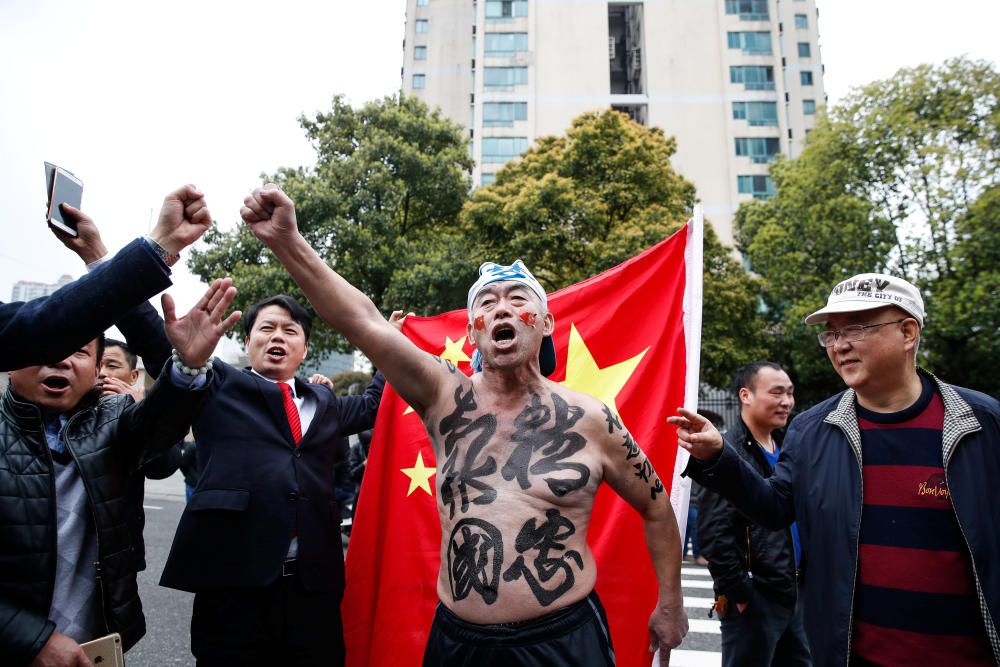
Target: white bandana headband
[491, 272]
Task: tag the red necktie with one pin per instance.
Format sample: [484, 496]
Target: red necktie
[291, 412]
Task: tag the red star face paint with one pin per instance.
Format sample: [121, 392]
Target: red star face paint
[529, 318]
[479, 323]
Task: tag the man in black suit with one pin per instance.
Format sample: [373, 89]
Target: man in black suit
[259, 542]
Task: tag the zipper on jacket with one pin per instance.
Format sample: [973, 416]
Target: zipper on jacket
[749, 571]
[987, 620]
[55, 511]
[795, 566]
[857, 553]
[98, 568]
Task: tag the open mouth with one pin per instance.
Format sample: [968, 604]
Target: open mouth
[503, 333]
[276, 353]
[55, 382]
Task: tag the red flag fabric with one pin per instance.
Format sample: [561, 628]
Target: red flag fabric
[618, 336]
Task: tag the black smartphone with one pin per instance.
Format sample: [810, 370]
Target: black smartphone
[64, 187]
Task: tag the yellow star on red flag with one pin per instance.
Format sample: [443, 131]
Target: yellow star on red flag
[453, 352]
[419, 476]
[584, 375]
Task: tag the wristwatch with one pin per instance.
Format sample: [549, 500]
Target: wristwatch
[167, 258]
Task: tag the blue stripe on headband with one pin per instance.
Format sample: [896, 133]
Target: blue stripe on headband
[491, 272]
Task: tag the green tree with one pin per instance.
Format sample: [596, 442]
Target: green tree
[380, 205]
[900, 177]
[576, 205]
[343, 380]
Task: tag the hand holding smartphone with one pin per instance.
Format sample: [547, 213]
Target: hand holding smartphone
[105, 651]
[63, 187]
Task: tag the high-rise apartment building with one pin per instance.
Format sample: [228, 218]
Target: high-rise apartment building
[735, 81]
[26, 290]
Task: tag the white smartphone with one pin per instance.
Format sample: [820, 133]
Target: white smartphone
[63, 188]
[105, 651]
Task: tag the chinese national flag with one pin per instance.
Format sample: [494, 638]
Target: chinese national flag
[619, 336]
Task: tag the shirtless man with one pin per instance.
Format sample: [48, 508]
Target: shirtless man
[520, 459]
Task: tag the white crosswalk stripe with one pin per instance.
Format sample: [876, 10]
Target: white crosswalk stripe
[709, 625]
[703, 645]
[698, 602]
[686, 658]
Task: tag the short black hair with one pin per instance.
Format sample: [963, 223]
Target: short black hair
[293, 307]
[746, 375]
[130, 356]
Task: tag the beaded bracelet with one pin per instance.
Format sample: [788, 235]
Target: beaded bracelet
[187, 370]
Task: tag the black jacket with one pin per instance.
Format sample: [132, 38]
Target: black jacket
[109, 438]
[741, 554]
[358, 457]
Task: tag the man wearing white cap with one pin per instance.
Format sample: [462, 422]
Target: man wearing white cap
[519, 460]
[891, 485]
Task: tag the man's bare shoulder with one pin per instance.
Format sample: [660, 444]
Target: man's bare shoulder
[597, 421]
[449, 383]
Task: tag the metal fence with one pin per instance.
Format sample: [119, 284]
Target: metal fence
[720, 406]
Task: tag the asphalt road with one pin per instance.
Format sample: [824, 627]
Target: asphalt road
[168, 612]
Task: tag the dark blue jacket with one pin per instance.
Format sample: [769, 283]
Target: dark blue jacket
[256, 486]
[49, 329]
[818, 483]
[743, 556]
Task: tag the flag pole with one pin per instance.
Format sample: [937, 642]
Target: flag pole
[680, 488]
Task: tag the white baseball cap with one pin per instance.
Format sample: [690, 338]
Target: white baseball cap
[867, 291]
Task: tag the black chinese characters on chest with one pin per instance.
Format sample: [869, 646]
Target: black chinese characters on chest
[543, 439]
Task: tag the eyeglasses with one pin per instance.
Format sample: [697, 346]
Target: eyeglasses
[853, 333]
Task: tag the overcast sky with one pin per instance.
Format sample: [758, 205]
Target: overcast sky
[137, 98]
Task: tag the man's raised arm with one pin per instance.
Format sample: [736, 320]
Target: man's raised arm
[271, 216]
[717, 466]
[48, 329]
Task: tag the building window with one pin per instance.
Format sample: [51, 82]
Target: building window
[753, 77]
[809, 107]
[503, 114]
[419, 81]
[505, 43]
[757, 114]
[506, 9]
[804, 50]
[806, 78]
[801, 21]
[761, 187]
[487, 179]
[504, 76]
[420, 26]
[422, 3]
[748, 10]
[420, 53]
[751, 43]
[760, 150]
[501, 149]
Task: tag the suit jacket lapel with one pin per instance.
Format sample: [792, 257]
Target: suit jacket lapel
[271, 396]
[321, 396]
